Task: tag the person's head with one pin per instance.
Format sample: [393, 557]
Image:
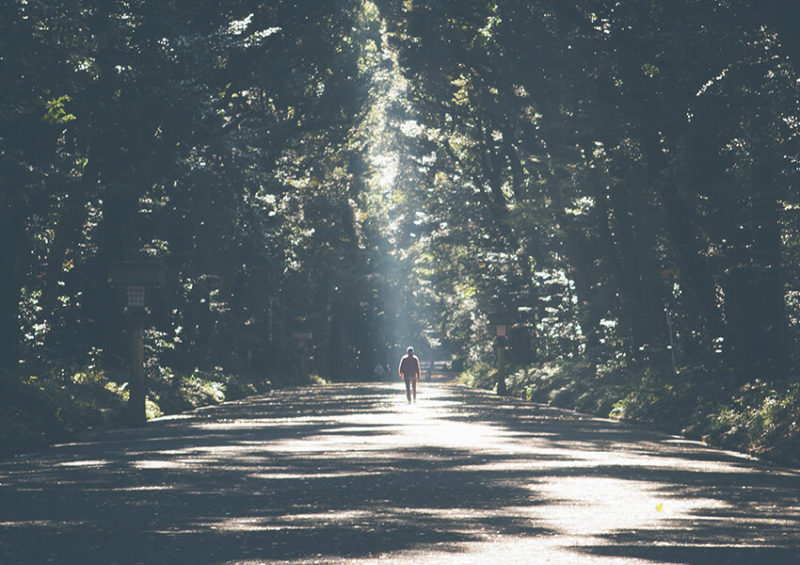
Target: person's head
[410, 351]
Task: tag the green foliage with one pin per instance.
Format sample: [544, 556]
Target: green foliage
[481, 375]
[226, 143]
[173, 393]
[39, 410]
[56, 111]
[48, 408]
[759, 420]
[378, 173]
[755, 419]
[567, 384]
[593, 171]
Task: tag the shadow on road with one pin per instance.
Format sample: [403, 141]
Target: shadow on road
[351, 473]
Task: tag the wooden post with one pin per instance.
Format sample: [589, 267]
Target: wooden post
[137, 410]
[135, 277]
[501, 366]
[501, 322]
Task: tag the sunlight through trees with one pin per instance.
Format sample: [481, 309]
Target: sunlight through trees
[374, 174]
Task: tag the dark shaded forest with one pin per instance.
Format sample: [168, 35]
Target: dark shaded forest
[324, 183]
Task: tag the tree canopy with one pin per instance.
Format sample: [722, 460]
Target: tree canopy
[622, 176]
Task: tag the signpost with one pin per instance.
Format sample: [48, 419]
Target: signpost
[135, 278]
[501, 322]
[302, 338]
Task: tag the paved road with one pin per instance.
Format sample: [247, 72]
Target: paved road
[352, 474]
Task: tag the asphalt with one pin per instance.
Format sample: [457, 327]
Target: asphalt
[353, 474]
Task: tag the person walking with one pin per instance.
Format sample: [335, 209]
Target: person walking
[409, 371]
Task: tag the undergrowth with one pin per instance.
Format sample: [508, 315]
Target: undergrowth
[49, 407]
[755, 418]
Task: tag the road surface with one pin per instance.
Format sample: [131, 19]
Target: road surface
[353, 474]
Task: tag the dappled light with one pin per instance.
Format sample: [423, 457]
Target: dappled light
[352, 472]
[223, 223]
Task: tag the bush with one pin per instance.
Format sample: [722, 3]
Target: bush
[35, 411]
[759, 420]
[38, 410]
[480, 375]
[755, 418]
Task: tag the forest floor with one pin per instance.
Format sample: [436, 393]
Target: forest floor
[354, 474]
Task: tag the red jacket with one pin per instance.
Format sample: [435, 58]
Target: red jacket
[409, 366]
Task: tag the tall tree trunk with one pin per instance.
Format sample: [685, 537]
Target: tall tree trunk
[13, 265]
[639, 283]
[754, 295]
[117, 240]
